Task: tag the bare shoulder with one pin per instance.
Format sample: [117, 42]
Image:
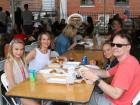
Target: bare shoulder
[8, 65]
[8, 62]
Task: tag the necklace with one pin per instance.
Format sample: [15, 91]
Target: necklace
[44, 51]
[21, 67]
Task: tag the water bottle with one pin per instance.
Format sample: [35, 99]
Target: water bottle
[84, 60]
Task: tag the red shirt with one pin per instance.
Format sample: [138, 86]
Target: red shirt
[126, 75]
[20, 36]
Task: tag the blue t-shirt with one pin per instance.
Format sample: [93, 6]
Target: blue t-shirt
[62, 43]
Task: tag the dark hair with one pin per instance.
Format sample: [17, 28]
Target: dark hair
[7, 13]
[1, 8]
[119, 20]
[89, 19]
[18, 9]
[124, 34]
[107, 42]
[26, 6]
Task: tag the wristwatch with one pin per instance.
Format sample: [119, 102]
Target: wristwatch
[98, 81]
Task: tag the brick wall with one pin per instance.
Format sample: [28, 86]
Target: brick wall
[5, 5]
[34, 5]
[74, 6]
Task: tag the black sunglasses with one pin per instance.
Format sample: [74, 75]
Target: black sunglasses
[118, 45]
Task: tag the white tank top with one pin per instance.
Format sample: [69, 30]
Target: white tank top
[17, 72]
[18, 77]
[40, 61]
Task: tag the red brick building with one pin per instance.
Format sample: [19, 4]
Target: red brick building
[98, 6]
[34, 5]
[5, 4]
[86, 7]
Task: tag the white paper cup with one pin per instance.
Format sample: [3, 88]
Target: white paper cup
[70, 78]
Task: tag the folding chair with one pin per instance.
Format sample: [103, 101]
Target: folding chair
[136, 99]
[2, 65]
[5, 84]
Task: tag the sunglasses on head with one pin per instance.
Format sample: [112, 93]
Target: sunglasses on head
[118, 45]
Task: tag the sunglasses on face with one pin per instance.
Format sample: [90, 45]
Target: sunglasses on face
[118, 45]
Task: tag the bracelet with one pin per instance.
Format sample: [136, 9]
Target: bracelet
[98, 81]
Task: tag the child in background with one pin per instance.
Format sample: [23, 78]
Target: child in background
[110, 60]
[15, 69]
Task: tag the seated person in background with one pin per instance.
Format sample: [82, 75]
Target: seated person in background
[19, 35]
[39, 57]
[15, 69]
[37, 29]
[116, 26]
[110, 60]
[90, 27]
[126, 76]
[66, 40]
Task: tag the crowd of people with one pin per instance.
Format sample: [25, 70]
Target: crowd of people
[120, 65]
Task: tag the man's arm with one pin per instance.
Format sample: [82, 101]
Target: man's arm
[94, 75]
[111, 91]
[101, 73]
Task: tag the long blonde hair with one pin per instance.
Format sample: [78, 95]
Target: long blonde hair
[69, 30]
[10, 50]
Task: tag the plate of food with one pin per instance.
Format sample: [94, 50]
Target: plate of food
[58, 60]
[71, 65]
[81, 43]
[57, 80]
[54, 65]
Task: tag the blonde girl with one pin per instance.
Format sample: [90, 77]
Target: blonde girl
[15, 69]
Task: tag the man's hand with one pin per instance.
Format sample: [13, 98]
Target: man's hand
[89, 75]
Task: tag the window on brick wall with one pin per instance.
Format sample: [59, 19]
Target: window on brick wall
[121, 2]
[87, 2]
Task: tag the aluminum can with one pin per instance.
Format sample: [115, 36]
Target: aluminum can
[84, 60]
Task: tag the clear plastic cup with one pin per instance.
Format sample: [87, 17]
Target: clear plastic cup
[32, 74]
[70, 78]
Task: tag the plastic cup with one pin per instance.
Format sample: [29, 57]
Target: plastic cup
[70, 78]
[32, 74]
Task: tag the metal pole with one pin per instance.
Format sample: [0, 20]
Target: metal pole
[12, 11]
[104, 13]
